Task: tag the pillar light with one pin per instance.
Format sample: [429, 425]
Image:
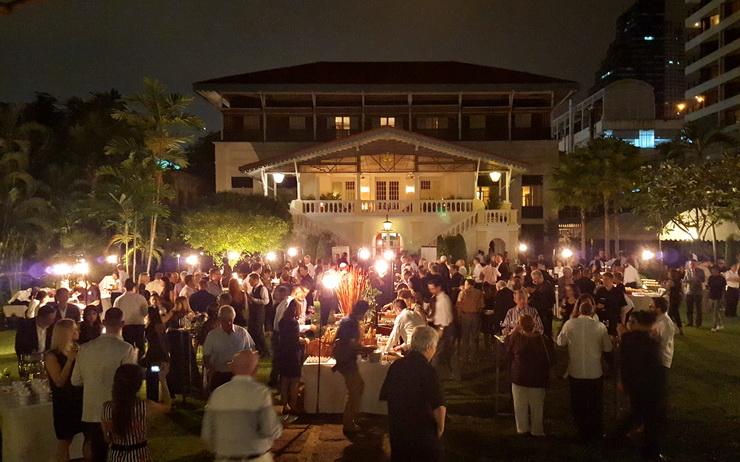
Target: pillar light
[192, 260]
[278, 177]
[495, 176]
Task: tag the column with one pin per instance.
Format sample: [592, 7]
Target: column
[263, 175]
[297, 181]
[507, 202]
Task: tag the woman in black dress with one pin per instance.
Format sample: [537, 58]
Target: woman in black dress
[674, 285]
[90, 327]
[66, 399]
[157, 351]
[290, 358]
[568, 301]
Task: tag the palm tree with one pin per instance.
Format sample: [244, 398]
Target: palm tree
[574, 186]
[161, 123]
[696, 140]
[23, 214]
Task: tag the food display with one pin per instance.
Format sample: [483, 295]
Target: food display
[368, 337]
[315, 360]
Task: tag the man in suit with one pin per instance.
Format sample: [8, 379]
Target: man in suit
[34, 335]
[62, 307]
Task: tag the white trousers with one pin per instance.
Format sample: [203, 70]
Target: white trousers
[528, 405]
[266, 457]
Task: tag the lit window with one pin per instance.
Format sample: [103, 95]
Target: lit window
[606, 74]
[425, 185]
[342, 123]
[296, 123]
[477, 122]
[646, 139]
[387, 121]
[648, 38]
[713, 20]
[532, 196]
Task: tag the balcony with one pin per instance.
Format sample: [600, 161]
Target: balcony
[378, 207]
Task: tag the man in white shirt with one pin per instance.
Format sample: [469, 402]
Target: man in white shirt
[443, 318]
[134, 307]
[404, 325]
[189, 288]
[239, 422]
[477, 269]
[586, 339]
[96, 365]
[733, 290]
[157, 285]
[110, 283]
[631, 276]
[221, 344]
[665, 330]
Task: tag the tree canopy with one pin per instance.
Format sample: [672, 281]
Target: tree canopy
[232, 221]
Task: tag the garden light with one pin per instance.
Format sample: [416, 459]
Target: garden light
[389, 255]
[81, 267]
[112, 259]
[330, 280]
[523, 247]
[364, 253]
[271, 256]
[233, 255]
[192, 260]
[60, 269]
[292, 252]
[381, 266]
[648, 254]
[566, 253]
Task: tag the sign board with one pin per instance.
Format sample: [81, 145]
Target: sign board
[429, 253]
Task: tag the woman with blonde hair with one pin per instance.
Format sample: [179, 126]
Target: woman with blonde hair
[66, 399]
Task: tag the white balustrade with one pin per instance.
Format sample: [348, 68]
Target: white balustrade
[380, 207]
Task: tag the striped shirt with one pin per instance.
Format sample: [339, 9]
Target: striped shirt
[512, 319]
[135, 436]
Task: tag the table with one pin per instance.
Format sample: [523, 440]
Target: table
[15, 310]
[28, 432]
[333, 392]
[642, 301]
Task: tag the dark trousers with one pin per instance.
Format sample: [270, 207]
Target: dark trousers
[693, 305]
[442, 360]
[256, 329]
[218, 379]
[415, 444]
[546, 318]
[586, 400]
[95, 438]
[647, 408]
[731, 298]
[134, 334]
[275, 344]
[673, 311]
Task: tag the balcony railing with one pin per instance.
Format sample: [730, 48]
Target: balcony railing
[377, 207]
[414, 207]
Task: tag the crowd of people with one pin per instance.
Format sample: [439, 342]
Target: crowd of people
[447, 316]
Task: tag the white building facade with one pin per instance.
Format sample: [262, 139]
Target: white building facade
[426, 149]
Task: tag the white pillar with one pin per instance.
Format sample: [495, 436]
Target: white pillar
[297, 181]
[507, 202]
[263, 175]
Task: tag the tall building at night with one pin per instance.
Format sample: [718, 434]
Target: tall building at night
[713, 61]
[649, 46]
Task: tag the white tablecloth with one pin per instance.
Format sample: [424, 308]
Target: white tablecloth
[642, 302]
[15, 310]
[28, 432]
[333, 392]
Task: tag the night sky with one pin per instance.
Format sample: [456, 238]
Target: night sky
[73, 47]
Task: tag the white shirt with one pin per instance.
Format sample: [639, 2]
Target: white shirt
[586, 339]
[280, 310]
[41, 334]
[187, 291]
[666, 330]
[123, 276]
[220, 346]
[156, 285]
[134, 307]
[631, 275]
[107, 285]
[94, 369]
[476, 271]
[239, 420]
[442, 310]
[403, 328]
[733, 279]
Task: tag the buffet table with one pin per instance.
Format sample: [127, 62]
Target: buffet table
[333, 393]
[18, 311]
[28, 431]
[642, 300]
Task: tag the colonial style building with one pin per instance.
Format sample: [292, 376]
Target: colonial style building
[394, 154]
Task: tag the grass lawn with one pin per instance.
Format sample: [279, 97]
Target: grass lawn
[704, 416]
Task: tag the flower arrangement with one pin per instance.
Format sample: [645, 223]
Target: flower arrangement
[354, 285]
